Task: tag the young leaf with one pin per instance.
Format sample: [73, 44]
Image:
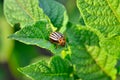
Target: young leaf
[55, 11]
[25, 12]
[101, 15]
[38, 34]
[91, 61]
[58, 69]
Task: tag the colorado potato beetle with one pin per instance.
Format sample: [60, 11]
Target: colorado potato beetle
[57, 38]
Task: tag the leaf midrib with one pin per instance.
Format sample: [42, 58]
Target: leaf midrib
[25, 10]
[95, 59]
[114, 12]
[57, 74]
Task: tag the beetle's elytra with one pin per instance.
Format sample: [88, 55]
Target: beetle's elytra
[57, 38]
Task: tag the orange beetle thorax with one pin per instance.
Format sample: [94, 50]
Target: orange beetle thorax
[62, 41]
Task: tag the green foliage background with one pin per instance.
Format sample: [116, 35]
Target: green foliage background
[92, 36]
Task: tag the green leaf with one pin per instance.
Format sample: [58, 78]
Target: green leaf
[38, 34]
[57, 69]
[55, 11]
[25, 12]
[91, 61]
[100, 15]
[112, 45]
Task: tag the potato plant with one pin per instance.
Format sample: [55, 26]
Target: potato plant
[92, 49]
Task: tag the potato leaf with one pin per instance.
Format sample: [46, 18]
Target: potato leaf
[92, 62]
[58, 69]
[38, 34]
[101, 15]
[25, 12]
[56, 12]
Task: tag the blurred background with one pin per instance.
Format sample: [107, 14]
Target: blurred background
[14, 54]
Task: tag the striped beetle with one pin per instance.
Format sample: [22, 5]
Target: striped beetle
[57, 38]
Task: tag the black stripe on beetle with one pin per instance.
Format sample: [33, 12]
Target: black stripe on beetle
[57, 38]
